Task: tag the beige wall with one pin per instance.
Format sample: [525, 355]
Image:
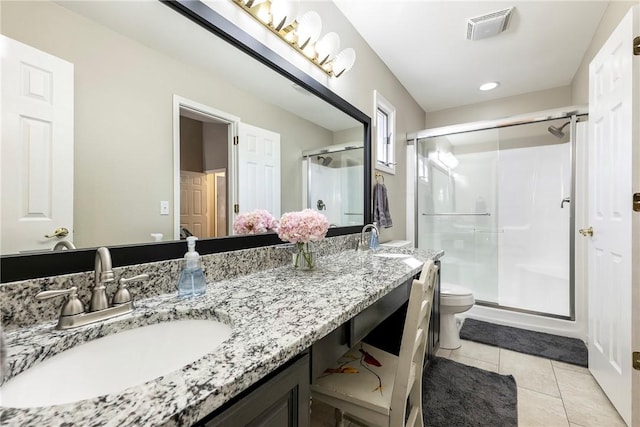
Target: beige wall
[123, 122]
[612, 16]
[503, 107]
[348, 135]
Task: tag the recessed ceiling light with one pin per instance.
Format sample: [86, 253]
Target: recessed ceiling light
[490, 86]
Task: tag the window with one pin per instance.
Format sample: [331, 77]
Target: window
[385, 123]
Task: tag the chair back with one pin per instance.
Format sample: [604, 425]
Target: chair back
[407, 389]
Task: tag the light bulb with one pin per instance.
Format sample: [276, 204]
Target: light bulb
[309, 27]
[260, 10]
[283, 13]
[327, 47]
[310, 51]
[344, 61]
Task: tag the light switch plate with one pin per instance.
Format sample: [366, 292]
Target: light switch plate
[164, 207]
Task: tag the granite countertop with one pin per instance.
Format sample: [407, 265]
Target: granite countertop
[275, 315]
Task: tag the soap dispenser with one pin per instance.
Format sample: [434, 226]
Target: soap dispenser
[374, 240]
[192, 282]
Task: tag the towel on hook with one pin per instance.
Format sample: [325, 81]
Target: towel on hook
[381, 215]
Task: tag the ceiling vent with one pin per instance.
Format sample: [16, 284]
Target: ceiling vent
[489, 25]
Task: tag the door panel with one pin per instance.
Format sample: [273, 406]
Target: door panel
[258, 169]
[193, 203]
[37, 147]
[611, 294]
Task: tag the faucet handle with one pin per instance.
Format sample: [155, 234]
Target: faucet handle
[71, 306]
[122, 295]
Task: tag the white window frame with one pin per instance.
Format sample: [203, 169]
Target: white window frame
[385, 160]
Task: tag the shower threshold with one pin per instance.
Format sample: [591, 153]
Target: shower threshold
[522, 310]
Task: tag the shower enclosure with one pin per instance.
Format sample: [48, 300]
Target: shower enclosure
[497, 198]
[335, 183]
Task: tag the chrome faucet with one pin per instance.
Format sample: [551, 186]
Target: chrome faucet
[361, 245]
[62, 244]
[72, 313]
[103, 275]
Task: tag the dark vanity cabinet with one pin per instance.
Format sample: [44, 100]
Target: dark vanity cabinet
[381, 325]
[280, 400]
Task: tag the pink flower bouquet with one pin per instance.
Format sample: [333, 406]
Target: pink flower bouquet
[258, 221]
[300, 228]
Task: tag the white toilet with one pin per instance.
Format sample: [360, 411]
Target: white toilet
[453, 299]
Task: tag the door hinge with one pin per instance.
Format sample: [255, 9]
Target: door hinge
[235, 140]
[236, 208]
[636, 45]
[636, 202]
[636, 360]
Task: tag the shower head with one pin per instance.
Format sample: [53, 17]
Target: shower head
[557, 132]
[325, 160]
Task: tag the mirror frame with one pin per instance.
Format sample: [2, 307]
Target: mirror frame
[23, 267]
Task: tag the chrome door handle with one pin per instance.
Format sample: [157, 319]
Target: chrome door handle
[586, 231]
[565, 200]
[59, 232]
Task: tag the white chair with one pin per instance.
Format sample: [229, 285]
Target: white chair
[382, 395]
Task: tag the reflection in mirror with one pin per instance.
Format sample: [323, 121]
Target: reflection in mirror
[335, 182]
[121, 77]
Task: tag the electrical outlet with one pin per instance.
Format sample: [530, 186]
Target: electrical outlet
[164, 207]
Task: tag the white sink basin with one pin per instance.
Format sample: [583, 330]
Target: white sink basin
[113, 363]
[392, 255]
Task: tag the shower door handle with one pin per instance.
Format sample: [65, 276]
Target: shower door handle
[565, 200]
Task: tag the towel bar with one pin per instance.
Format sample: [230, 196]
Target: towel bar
[458, 214]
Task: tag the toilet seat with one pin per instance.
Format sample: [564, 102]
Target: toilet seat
[450, 289]
[455, 295]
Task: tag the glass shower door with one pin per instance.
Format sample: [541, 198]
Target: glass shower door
[457, 208]
[497, 201]
[335, 185]
[534, 179]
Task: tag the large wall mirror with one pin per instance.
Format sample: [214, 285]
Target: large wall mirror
[158, 95]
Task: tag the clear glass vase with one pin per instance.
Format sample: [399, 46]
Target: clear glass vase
[303, 258]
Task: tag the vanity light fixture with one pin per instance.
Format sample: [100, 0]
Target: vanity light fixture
[302, 34]
[489, 86]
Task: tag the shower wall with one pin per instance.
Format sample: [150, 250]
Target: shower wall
[496, 212]
[533, 260]
[336, 188]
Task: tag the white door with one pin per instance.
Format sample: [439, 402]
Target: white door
[193, 203]
[37, 147]
[613, 143]
[258, 173]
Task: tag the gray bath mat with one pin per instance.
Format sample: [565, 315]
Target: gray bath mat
[458, 395]
[554, 347]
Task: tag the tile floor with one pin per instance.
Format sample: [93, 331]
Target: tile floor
[550, 393]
